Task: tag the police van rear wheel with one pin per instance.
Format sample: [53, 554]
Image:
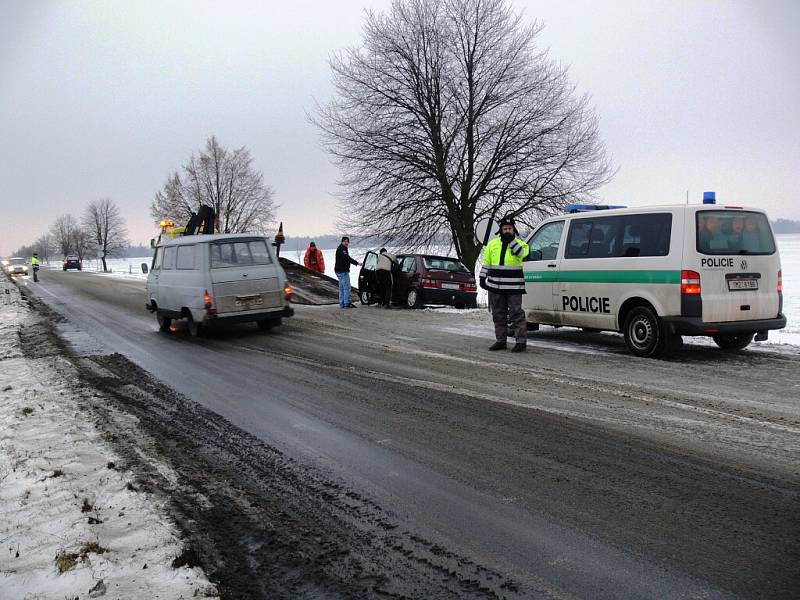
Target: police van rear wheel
[643, 333]
[732, 343]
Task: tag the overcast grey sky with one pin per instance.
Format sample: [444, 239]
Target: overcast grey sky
[107, 98]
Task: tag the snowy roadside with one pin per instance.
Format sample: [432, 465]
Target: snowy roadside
[72, 522]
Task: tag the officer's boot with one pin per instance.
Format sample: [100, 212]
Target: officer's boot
[498, 346]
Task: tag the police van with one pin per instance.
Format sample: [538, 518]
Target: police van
[656, 274]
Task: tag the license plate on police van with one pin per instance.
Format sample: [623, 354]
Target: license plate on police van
[735, 285]
[451, 286]
[249, 301]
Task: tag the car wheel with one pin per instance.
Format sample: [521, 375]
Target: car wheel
[413, 299]
[643, 333]
[268, 324]
[164, 322]
[365, 297]
[732, 343]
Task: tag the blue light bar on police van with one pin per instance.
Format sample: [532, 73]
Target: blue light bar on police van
[577, 208]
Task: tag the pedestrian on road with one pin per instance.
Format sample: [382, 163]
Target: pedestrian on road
[502, 277]
[386, 262]
[35, 266]
[342, 269]
[313, 259]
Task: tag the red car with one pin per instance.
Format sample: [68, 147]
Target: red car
[72, 262]
[421, 279]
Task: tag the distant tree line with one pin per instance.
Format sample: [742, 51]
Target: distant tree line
[786, 226]
[100, 233]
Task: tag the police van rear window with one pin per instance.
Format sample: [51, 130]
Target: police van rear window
[733, 232]
[620, 236]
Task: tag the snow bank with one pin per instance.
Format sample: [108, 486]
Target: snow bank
[64, 506]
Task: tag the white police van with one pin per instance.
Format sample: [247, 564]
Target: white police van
[657, 273]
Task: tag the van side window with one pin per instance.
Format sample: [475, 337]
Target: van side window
[186, 256]
[546, 240]
[169, 258]
[620, 236]
[157, 259]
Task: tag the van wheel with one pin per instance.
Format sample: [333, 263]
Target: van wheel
[195, 328]
[365, 297]
[164, 322]
[268, 324]
[731, 343]
[413, 299]
[643, 333]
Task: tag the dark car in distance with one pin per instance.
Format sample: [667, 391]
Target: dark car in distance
[420, 279]
[72, 262]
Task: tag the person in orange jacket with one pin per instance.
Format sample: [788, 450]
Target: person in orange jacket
[314, 259]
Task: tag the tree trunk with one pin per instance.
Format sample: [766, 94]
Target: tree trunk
[105, 268]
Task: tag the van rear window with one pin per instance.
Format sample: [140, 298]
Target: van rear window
[733, 232]
[244, 253]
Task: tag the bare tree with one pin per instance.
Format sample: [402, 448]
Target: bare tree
[64, 231]
[83, 244]
[44, 246]
[104, 224]
[223, 179]
[450, 113]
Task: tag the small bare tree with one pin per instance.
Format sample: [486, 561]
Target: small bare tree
[223, 179]
[64, 231]
[44, 246]
[106, 227]
[450, 113]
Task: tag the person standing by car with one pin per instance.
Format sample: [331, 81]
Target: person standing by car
[313, 259]
[342, 269]
[386, 262]
[502, 277]
[35, 266]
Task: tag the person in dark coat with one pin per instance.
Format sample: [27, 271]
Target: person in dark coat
[342, 269]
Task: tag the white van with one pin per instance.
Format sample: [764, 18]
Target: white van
[656, 274]
[217, 278]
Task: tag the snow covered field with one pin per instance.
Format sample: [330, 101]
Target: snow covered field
[72, 522]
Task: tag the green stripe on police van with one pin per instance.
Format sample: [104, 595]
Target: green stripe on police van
[605, 276]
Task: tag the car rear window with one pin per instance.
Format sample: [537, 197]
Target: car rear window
[244, 253]
[733, 232]
[436, 263]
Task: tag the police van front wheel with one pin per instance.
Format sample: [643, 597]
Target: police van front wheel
[643, 332]
[732, 343]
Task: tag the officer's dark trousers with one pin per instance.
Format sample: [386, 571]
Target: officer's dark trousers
[508, 310]
[385, 283]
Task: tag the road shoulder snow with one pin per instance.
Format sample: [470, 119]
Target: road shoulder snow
[74, 523]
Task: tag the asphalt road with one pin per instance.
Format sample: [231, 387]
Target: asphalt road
[574, 470]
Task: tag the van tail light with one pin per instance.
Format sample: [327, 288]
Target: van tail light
[431, 283]
[690, 283]
[288, 292]
[208, 302]
[780, 281]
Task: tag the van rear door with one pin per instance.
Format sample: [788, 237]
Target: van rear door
[244, 275]
[736, 256]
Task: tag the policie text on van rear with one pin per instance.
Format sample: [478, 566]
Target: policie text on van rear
[656, 274]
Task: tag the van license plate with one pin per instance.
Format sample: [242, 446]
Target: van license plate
[249, 301]
[451, 286]
[735, 285]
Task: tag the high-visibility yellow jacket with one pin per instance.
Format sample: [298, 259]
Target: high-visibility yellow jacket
[502, 266]
[35, 262]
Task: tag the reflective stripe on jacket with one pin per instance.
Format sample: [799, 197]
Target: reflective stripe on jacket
[502, 267]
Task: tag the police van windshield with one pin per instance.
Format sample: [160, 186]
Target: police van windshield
[444, 264]
[733, 232]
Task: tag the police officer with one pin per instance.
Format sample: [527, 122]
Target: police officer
[35, 266]
[502, 277]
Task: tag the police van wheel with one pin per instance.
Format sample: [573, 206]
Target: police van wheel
[164, 322]
[643, 333]
[413, 299]
[732, 343]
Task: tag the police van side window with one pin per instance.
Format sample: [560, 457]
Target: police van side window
[620, 236]
[544, 243]
[169, 258]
